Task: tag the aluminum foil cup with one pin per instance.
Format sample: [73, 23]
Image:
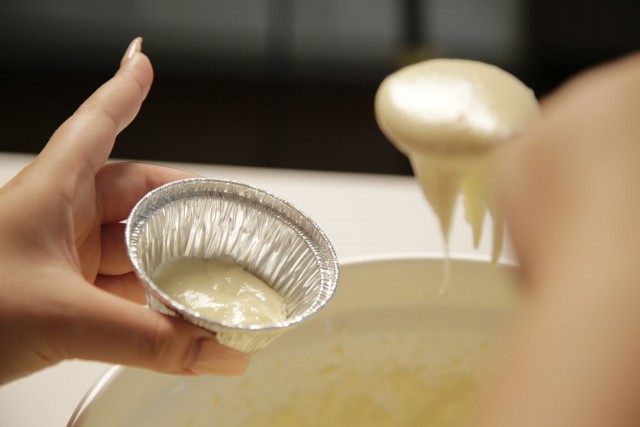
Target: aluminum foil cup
[265, 235]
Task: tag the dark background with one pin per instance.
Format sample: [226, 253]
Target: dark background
[278, 83]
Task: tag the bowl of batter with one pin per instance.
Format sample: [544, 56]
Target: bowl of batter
[390, 350]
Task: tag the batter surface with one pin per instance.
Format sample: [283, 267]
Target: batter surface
[221, 291]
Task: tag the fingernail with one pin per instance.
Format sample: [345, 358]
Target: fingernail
[134, 47]
[211, 357]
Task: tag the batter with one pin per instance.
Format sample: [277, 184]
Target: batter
[221, 291]
[447, 115]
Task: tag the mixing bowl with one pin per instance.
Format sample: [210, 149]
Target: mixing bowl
[389, 350]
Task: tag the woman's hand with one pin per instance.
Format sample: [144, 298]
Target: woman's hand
[67, 289]
[571, 199]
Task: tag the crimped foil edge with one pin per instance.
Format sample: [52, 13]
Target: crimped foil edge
[306, 235]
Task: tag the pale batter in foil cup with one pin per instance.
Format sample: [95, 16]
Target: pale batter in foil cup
[263, 234]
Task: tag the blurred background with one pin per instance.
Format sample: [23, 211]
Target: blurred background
[278, 83]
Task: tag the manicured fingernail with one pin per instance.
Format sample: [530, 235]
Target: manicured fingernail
[134, 47]
[211, 357]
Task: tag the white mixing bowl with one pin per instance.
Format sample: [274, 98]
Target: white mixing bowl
[389, 350]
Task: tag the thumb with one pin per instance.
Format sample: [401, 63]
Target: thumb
[110, 329]
[85, 140]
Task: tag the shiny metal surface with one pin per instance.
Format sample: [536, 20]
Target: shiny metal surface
[264, 234]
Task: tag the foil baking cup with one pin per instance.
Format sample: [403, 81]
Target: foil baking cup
[263, 234]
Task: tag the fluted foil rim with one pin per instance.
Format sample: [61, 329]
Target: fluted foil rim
[317, 261]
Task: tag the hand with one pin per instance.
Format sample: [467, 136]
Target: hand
[569, 190]
[569, 183]
[67, 288]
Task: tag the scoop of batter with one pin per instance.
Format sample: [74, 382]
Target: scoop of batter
[447, 115]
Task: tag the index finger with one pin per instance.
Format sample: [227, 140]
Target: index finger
[84, 141]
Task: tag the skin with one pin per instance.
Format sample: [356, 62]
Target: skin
[67, 286]
[569, 190]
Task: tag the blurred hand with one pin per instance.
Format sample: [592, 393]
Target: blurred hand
[569, 190]
[67, 288]
[569, 184]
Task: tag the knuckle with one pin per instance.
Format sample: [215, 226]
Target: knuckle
[97, 111]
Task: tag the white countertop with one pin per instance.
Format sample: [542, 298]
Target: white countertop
[362, 214]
